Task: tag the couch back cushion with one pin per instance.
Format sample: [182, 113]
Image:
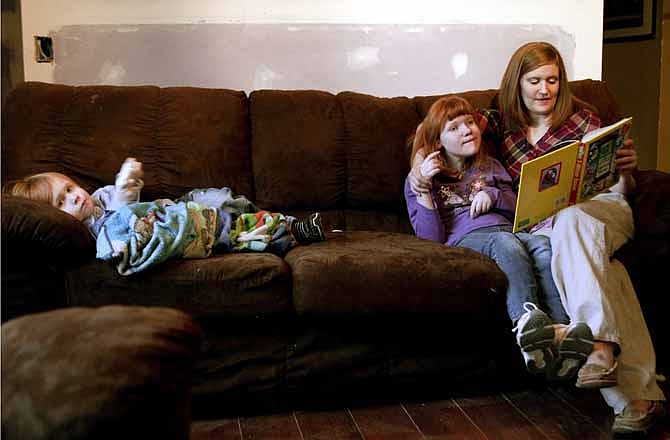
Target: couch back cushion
[597, 94]
[292, 151]
[186, 137]
[479, 99]
[342, 154]
[376, 132]
[297, 152]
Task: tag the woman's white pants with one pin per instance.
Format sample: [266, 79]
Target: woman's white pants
[596, 289]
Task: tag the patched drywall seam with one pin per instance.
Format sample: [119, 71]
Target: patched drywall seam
[379, 59]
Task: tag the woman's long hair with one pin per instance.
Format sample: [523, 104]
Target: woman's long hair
[529, 57]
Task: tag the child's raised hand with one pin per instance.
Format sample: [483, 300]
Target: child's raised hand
[131, 169]
[129, 181]
[431, 165]
[480, 204]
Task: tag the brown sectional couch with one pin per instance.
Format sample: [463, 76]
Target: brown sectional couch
[373, 307]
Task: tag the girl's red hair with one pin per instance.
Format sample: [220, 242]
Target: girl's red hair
[427, 137]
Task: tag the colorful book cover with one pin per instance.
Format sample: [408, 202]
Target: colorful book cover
[570, 174]
[600, 148]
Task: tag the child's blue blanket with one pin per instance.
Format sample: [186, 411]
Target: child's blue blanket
[141, 235]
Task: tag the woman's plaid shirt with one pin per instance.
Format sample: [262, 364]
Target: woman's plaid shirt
[515, 148]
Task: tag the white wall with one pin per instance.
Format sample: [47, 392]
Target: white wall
[86, 32]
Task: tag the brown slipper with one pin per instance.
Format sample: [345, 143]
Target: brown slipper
[596, 376]
[633, 420]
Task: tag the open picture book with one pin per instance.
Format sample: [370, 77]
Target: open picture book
[573, 172]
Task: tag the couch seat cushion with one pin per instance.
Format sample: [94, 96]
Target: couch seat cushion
[367, 273]
[109, 373]
[230, 285]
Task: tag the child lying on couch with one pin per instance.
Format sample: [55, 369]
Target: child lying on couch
[140, 235]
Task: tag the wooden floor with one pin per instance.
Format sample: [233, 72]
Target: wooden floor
[556, 413]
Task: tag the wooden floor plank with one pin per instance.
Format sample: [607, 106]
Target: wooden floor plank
[327, 425]
[443, 420]
[589, 403]
[225, 429]
[554, 417]
[387, 422]
[278, 426]
[561, 413]
[661, 431]
[497, 419]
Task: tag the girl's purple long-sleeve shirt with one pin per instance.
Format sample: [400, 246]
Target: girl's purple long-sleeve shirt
[450, 221]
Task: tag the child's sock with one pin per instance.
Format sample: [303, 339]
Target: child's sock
[308, 230]
[559, 333]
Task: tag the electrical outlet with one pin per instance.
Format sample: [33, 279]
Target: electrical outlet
[44, 49]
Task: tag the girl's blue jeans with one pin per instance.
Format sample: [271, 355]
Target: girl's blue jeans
[526, 260]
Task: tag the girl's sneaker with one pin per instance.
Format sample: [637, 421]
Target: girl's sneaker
[535, 336]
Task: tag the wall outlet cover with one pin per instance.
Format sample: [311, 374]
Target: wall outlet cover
[44, 49]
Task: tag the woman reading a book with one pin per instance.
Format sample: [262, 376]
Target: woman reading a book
[538, 111]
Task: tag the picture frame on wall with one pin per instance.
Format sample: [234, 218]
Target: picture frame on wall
[625, 20]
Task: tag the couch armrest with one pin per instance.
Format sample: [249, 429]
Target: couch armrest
[651, 213]
[651, 205]
[40, 232]
[38, 243]
[647, 256]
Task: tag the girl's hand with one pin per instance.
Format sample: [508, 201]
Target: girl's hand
[480, 204]
[431, 165]
[421, 175]
[626, 161]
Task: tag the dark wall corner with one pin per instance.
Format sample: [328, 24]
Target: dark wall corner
[12, 46]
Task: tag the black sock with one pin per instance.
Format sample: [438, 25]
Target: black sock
[308, 230]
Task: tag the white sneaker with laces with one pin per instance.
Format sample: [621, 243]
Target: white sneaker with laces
[535, 336]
